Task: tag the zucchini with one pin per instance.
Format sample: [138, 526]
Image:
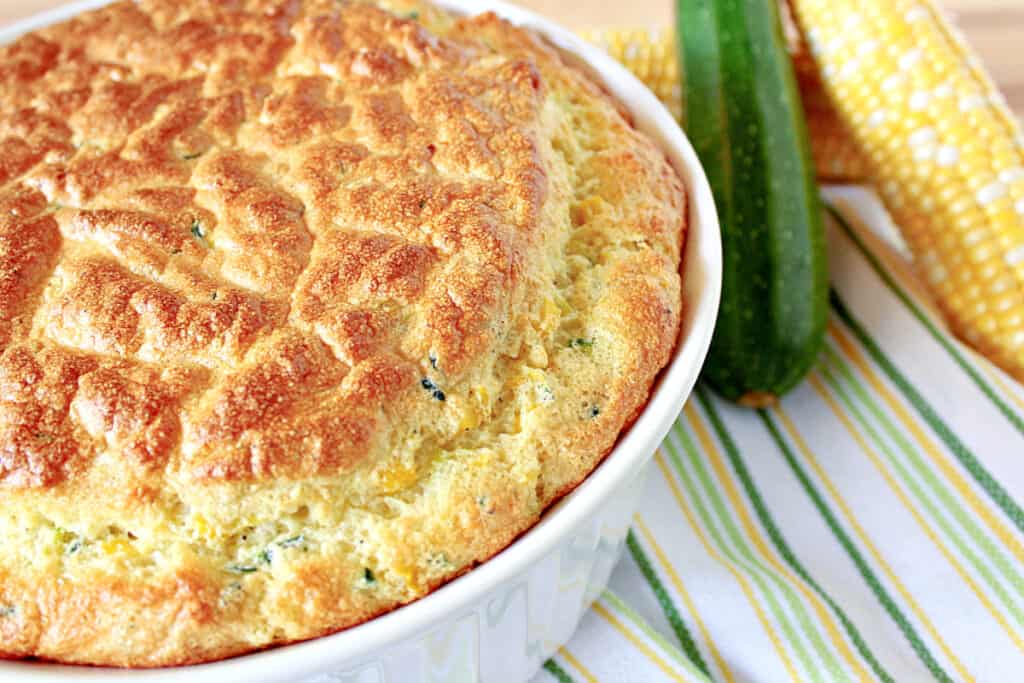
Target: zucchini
[742, 112]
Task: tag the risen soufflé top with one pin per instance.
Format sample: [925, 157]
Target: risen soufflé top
[306, 307]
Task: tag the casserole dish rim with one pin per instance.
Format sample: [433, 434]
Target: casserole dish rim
[701, 272]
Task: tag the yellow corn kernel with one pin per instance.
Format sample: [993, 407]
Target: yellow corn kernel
[481, 459]
[534, 375]
[537, 356]
[470, 418]
[550, 314]
[115, 546]
[203, 528]
[409, 575]
[397, 477]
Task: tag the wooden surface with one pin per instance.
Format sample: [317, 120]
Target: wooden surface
[994, 27]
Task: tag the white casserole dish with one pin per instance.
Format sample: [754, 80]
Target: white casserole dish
[501, 621]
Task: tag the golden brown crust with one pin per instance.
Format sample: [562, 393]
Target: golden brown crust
[305, 308]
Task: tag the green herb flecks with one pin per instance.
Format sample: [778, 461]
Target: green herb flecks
[368, 576]
[414, 15]
[485, 504]
[293, 542]
[199, 233]
[433, 360]
[581, 344]
[189, 156]
[594, 411]
[7, 611]
[264, 557]
[429, 385]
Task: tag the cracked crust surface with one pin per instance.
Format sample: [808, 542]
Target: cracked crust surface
[306, 307]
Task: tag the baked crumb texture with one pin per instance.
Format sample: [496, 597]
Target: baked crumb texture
[305, 308]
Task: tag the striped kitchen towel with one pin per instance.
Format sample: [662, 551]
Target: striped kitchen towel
[868, 528]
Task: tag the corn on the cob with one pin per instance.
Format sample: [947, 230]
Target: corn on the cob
[893, 96]
[650, 56]
[943, 151]
[836, 156]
